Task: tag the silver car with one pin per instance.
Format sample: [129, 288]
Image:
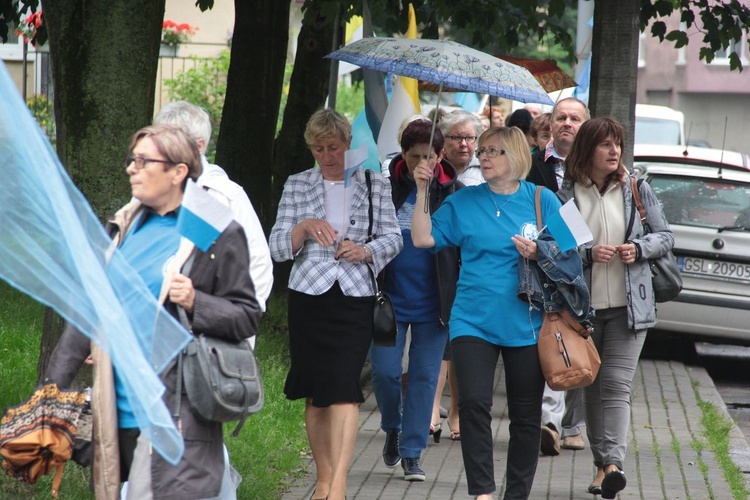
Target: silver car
[705, 194]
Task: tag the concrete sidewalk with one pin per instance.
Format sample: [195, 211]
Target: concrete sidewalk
[662, 460]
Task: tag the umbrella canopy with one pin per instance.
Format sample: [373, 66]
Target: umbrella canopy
[547, 73]
[38, 435]
[446, 63]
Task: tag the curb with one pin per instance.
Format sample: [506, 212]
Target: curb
[739, 450]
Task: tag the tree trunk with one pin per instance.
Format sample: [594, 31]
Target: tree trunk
[51, 331]
[104, 59]
[251, 106]
[614, 65]
[308, 89]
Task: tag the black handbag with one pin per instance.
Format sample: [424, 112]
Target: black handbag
[221, 377]
[665, 272]
[383, 316]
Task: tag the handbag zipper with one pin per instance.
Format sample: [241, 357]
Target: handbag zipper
[563, 350]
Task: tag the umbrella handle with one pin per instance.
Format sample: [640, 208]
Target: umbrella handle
[57, 480]
[429, 151]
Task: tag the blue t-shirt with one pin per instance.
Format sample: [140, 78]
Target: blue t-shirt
[410, 276]
[486, 304]
[147, 248]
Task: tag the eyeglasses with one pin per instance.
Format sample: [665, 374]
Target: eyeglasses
[491, 152]
[470, 139]
[142, 162]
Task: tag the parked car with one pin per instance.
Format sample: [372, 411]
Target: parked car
[659, 125]
[705, 194]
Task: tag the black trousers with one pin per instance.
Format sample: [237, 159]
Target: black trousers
[475, 361]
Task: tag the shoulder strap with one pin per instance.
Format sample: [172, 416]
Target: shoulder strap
[635, 186]
[538, 205]
[368, 181]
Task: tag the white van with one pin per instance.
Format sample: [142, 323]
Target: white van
[659, 125]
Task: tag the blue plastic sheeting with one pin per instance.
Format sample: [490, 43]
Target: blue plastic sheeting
[53, 248]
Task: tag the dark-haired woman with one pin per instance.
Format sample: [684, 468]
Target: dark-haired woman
[618, 274]
[422, 287]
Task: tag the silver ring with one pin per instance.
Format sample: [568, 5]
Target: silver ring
[320, 232]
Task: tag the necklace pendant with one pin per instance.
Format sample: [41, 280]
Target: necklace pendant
[497, 214]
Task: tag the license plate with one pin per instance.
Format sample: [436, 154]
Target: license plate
[730, 271]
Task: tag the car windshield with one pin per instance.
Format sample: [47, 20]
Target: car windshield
[700, 202]
[656, 131]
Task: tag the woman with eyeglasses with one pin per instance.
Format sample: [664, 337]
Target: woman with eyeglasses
[492, 224]
[219, 298]
[422, 287]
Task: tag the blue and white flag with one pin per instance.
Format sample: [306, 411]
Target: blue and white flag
[353, 159]
[202, 217]
[568, 227]
[54, 249]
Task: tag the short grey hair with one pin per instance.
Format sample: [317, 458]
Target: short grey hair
[459, 117]
[193, 119]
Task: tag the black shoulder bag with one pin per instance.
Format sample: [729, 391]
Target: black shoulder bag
[383, 315]
[665, 272]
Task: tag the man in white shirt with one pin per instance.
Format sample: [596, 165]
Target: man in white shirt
[196, 122]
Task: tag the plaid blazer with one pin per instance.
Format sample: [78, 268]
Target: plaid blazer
[315, 270]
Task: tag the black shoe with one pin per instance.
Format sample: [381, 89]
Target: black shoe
[391, 455]
[613, 482]
[412, 470]
[595, 489]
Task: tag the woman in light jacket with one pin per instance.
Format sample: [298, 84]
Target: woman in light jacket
[617, 270]
[219, 298]
[322, 224]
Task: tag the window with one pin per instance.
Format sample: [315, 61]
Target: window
[722, 56]
[12, 50]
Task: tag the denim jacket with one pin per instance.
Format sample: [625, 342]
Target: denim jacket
[555, 280]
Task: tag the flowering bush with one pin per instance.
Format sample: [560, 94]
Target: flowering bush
[42, 110]
[29, 26]
[175, 34]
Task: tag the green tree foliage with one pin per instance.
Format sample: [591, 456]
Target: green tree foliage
[205, 85]
[721, 24]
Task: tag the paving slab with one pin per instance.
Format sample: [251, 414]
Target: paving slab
[665, 457]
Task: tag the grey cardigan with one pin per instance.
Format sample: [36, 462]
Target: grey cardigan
[638, 289]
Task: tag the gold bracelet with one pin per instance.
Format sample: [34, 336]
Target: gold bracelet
[367, 250]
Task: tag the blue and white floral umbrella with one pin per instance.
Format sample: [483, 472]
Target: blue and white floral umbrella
[445, 63]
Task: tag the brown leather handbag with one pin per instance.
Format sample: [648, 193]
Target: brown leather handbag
[567, 352]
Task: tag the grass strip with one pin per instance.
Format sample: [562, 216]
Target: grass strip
[717, 427]
[267, 454]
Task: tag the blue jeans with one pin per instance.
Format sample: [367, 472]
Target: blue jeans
[425, 355]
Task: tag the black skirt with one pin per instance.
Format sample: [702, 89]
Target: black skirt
[329, 337]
